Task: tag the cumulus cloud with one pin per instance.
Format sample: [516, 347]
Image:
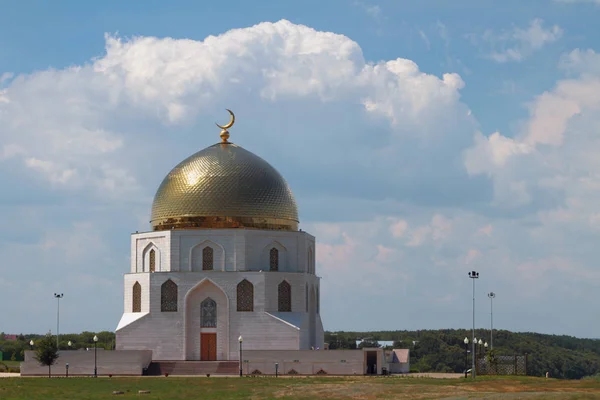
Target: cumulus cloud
[386, 160]
[91, 126]
[518, 43]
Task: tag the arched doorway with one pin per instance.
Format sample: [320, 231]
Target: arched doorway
[206, 323]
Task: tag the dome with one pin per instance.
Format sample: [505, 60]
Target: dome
[224, 186]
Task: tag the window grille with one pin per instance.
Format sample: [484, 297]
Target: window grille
[274, 259]
[137, 297]
[245, 296]
[207, 259]
[152, 259]
[168, 296]
[208, 313]
[285, 297]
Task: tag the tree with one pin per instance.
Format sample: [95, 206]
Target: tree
[46, 352]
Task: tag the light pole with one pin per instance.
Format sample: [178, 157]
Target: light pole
[31, 344]
[480, 343]
[473, 275]
[485, 363]
[58, 297]
[240, 339]
[95, 357]
[70, 344]
[491, 295]
[466, 355]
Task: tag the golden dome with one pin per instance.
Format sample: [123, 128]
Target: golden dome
[224, 186]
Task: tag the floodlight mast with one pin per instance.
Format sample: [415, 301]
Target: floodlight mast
[491, 295]
[473, 275]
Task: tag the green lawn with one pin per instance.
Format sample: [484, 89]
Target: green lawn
[296, 388]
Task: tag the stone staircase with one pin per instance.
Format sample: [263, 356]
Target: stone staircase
[193, 368]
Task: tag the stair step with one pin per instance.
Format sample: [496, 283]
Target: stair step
[193, 368]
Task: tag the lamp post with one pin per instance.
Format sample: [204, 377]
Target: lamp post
[491, 295]
[67, 369]
[473, 275]
[466, 341]
[95, 357]
[31, 344]
[240, 339]
[276, 369]
[70, 344]
[58, 297]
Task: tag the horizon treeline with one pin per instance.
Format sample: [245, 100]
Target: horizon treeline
[443, 350]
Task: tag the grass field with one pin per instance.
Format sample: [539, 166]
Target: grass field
[297, 388]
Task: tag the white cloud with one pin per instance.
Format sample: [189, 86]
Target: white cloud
[373, 10]
[90, 127]
[581, 62]
[437, 230]
[398, 227]
[383, 149]
[518, 43]
[492, 152]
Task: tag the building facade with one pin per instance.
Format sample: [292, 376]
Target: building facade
[224, 259]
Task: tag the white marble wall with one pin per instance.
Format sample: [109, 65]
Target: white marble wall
[234, 249]
[307, 362]
[176, 335]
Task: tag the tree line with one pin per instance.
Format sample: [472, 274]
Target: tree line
[444, 350]
[14, 350]
[430, 350]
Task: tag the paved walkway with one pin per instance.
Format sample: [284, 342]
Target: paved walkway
[9, 374]
[438, 375]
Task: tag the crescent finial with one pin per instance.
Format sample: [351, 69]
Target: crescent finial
[224, 132]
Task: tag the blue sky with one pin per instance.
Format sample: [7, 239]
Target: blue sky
[421, 139]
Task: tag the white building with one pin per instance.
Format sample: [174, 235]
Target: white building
[224, 259]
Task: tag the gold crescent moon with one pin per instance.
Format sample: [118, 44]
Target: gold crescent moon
[230, 123]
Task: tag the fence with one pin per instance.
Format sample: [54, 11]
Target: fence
[502, 365]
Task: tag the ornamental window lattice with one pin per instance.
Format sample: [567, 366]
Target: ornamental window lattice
[274, 259]
[245, 296]
[285, 297]
[208, 313]
[168, 296]
[207, 259]
[152, 260]
[137, 297]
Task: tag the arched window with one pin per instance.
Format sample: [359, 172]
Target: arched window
[152, 260]
[306, 295]
[245, 296]
[274, 259]
[168, 296]
[137, 297]
[208, 313]
[285, 297]
[207, 258]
